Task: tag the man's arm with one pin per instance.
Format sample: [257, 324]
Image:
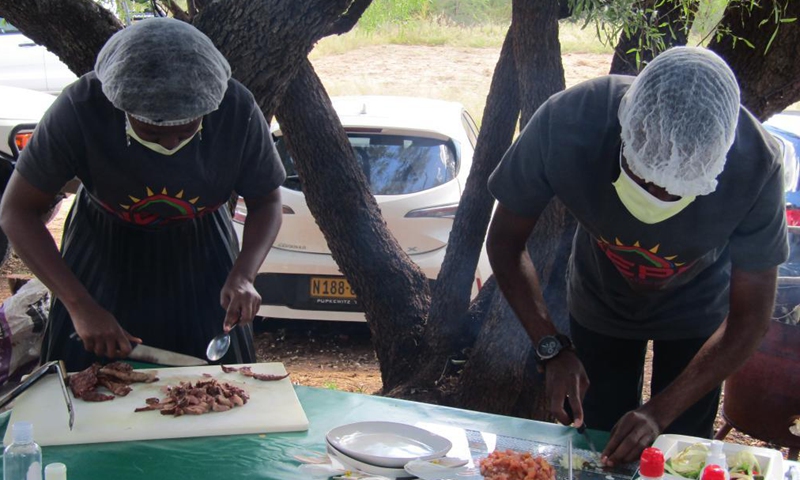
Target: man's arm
[517, 279]
[752, 297]
[238, 295]
[20, 218]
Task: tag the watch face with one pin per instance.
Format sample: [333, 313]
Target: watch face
[548, 347]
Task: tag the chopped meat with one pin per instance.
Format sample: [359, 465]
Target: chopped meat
[115, 377]
[129, 376]
[268, 378]
[93, 396]
[204, 396]
[117, 388]
[511, 465]
[85, 381]
[248, 372]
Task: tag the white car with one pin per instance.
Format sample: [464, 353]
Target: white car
[20, 111]
[25, 64]
[416, 154]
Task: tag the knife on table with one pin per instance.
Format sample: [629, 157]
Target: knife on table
[159, 356]
[147, 354]
[581, 429]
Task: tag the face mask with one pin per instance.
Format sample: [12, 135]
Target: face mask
[157, 147]
[643, 205]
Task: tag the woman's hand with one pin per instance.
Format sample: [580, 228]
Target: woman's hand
[100, 331]
[240, 300]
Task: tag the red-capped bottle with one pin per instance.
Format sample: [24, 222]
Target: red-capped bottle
[651, 464]
[713, 472]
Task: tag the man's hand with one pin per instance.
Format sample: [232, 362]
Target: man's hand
[634, 432]
[100, 331]
[566, 379]
[240, 300]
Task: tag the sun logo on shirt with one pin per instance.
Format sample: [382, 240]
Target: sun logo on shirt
[157, 208]
[642, 265]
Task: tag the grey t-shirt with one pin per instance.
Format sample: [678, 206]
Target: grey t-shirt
[628, 279]
[83, 135]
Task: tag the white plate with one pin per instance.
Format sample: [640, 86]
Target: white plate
[365, 467]
[770, 461]
[387, 444]
[450, 467]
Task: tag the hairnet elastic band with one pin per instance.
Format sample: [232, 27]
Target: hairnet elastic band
[165, 123]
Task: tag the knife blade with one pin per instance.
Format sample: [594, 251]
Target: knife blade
[581, 429]
[145, 353]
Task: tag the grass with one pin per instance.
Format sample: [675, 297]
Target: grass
[440, 31]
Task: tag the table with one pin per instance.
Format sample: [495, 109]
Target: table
[269, 456]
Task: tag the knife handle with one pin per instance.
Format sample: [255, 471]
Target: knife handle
[568, 409]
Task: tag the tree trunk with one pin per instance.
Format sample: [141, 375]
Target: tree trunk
[267, 41]
[445, 335]
[769, 79]
[392, 289]
[74, 30]
[674, 33]
[501, 354]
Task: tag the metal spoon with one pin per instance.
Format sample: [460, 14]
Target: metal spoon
[219, 345]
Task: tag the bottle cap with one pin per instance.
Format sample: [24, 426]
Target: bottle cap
[713, 472]
[55, 471]
[22, 432]
[651, 463]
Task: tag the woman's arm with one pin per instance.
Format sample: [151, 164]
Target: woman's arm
[238, 296]
[20, 217]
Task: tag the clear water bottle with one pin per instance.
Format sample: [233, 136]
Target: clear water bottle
[22, 460]
[716, 456]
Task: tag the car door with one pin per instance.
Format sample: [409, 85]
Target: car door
[21, 60]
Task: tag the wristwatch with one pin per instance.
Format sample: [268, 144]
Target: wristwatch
[551, 345]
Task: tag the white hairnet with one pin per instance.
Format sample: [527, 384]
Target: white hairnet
[679, 120]
[162, 71]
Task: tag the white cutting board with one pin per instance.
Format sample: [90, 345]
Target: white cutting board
[273, 407]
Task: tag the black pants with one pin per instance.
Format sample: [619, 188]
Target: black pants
[616, 372]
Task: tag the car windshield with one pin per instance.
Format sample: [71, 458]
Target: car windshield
[6, 27]
[393, 164]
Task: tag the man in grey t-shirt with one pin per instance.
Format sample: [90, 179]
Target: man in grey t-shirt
[678, 194]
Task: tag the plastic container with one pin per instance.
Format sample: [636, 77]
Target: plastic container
[716, 456]
[651, 464]
[22, 459]
[770, 462]
[55, 471]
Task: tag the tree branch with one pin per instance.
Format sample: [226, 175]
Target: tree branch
[347, 21]
[177, 11]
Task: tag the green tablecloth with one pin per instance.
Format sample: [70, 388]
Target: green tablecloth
[270, 456]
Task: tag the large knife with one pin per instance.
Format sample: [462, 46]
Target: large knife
[158, 356]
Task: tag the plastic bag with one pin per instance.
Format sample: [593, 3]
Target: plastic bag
[23, 318]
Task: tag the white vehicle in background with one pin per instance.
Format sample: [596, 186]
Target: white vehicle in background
[416, 154]
[20, 111]
[25, 64]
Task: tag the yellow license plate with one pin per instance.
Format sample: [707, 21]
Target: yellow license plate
[322, 287]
